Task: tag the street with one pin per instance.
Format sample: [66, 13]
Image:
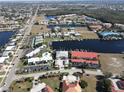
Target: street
[70, 71]
[10, 72]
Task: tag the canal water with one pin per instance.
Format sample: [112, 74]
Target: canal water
[5, 36]
[91, 45]
[49, 17]
[66, 26]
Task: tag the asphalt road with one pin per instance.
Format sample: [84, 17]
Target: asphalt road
[10, 73]
[70, 71]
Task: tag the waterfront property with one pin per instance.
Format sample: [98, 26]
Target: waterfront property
[62, 59]
[70, 20]
[84, 59]
[3, 59]
[77, 59]
[110, 35]
[95, 27]
[9, 51]
[99, 46]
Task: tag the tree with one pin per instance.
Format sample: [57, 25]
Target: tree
[83, 84]
[53, 30]
[28, 89]
[25, 63]
[104, 85]
[107, 74]
[83, 71]
[107, 85]
[10, 54]
[36, 23]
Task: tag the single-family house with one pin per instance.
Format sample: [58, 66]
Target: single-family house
[2, 59]
[117, 85]
[71, 84]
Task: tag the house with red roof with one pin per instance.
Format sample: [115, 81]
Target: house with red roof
[47, 89]
[117, 85]
[84, 59]
[71, 84]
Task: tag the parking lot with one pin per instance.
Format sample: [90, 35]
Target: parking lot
[31, 69]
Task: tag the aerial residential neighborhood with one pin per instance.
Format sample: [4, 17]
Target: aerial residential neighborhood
[61, 46]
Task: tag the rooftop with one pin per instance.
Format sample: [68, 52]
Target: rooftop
[70, 78]
[84, 61]
[82, 54]
[71, 84]
[117, 85]
[108, 33]
[9, 48]
[60, 54]
[38, 88]
[2, 59]
[41, 87]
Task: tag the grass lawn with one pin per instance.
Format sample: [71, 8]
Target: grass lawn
[53, 82]
[2, 73]
[23, 86]
[20, 64]
[91, 80]
[39, 28]
[48, 40]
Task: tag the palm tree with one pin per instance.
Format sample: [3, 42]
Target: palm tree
[83, 71]
[107, 74]
[106, 83]
[10, 54]
[83, 84]
[47, 74]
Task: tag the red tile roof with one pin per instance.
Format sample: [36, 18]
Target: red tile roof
[114, 90]
[49, 89]
[118, 90]
[71, 87]
[82, 54]
[84, 61]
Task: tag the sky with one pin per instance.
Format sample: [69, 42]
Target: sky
[44, 0]
[36, 0]
[62, 0]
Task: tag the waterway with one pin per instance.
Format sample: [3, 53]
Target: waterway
[5, 36]
[99, 46]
